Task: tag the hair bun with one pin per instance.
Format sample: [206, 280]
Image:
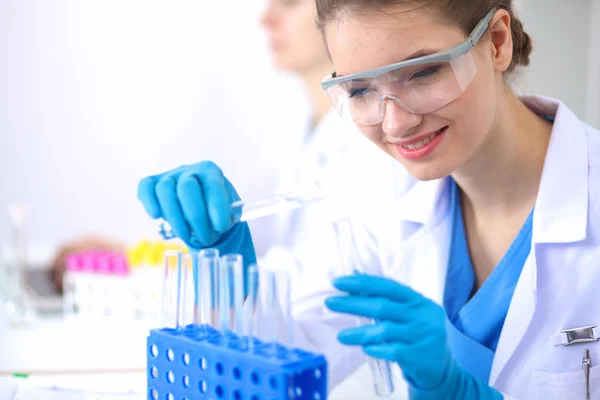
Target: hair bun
[522, 45]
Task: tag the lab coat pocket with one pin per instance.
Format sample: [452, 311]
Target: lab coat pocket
[565, 386]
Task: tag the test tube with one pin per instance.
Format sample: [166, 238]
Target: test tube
[283, 290]
[251, 302]
[248, 211]
[231, 293]
[277, 203]
[186, 306]
[172, 289]
[275, 301]
[238, 294]
[206, 285]
[380, 369]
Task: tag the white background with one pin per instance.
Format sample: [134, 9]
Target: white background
[96, 94]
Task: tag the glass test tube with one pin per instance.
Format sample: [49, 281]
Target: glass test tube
[172, 289]
[248, 211]
[275, 302]
[251, 302]
[231, 293]
[207, 286]
[380, 369]
[279, 202]
[283, 290]
[186, 305]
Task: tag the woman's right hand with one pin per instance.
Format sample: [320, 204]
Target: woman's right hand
[197, 199]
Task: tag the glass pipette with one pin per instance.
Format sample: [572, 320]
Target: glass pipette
[242, 211]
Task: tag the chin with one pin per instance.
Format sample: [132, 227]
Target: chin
[425, 171]
[283, 63]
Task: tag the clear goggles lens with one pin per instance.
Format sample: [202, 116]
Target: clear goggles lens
[418, 89]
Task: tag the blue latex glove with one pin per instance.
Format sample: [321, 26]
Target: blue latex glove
[197, 198]
[411, 331]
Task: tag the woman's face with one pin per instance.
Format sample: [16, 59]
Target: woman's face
[295, 41]
[364, 41]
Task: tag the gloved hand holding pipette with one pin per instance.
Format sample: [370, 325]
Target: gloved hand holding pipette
[196, 201]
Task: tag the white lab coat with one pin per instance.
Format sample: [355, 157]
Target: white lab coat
[407, 238]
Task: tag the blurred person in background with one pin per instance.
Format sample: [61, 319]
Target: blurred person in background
[297, 48]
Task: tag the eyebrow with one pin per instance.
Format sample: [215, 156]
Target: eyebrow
[420, 53]
[416, 54]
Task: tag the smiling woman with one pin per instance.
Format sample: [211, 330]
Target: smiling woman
[425, 81]
[427, 58]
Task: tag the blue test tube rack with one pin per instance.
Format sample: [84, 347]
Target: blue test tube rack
[198, 362]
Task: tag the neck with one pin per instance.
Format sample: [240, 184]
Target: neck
[318, 98]
[503, 178]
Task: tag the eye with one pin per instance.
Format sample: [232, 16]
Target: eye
[426, 72]
[358, 92]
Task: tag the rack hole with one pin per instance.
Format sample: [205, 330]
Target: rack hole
[203, 363]
[154, 372]
[170, 377]
[186, 359]
[153, 394]
[203, 386]
[237, 374]
[186, 381]
[237, 395]
[219, 391]
[170, 355]
[273, 382]
[255, 377]
[220, 368]
[153, 351]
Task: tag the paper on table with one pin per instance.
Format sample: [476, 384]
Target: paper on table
[91, 387]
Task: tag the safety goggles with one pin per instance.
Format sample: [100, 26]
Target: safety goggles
[420, 85]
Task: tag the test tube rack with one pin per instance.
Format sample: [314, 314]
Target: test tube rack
[200, 362]
[217, 352]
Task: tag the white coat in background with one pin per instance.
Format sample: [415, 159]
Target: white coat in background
[351, 170]
[407, 238]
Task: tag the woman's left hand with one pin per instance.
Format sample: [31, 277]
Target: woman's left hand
[409, 330]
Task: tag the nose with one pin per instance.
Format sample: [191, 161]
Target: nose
[396, 120]
[269, 17]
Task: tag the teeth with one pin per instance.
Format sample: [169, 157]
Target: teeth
[423, 142]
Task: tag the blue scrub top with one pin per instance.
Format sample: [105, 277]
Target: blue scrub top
[474, 322]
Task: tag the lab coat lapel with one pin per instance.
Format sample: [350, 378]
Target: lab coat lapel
[560, 216]
[518, 318]
[421, 260]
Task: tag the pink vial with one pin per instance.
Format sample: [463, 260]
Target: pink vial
[102, 263]
[74, 262]
[119, 264]
[88, 261]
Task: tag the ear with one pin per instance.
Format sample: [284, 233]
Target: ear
[501, 37]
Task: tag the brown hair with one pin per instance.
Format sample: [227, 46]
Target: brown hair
[465, 13]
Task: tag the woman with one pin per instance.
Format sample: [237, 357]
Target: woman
[490, 261]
